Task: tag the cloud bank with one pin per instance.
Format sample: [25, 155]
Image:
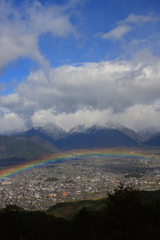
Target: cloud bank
[113, 86]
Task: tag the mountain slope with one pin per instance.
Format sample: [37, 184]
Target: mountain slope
[34, 132]
[15, 147]
[153, 141]
[129, 132]
[77, 129]
[40, 141]
[148, 131]
[101, 138]
[53, 130]
[109, 125]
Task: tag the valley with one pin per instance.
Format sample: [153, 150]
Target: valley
[81, 177]
[88, 161]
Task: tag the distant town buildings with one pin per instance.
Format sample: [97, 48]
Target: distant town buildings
[87, 178]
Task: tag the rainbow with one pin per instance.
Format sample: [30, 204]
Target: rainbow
[72, 155]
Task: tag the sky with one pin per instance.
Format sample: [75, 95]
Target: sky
[73, 62]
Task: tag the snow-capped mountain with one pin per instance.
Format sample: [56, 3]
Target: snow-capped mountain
[129, 132]
[92, 127]
[96, 128]
[114, 125]
[148, 131]
[153, 141]
[53, 130]
[78, 129]
[56, 132]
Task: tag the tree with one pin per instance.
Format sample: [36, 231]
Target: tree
[124, 211]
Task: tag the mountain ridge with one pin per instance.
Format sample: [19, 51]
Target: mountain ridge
[103, 138]
[36, 143]
[154, 140]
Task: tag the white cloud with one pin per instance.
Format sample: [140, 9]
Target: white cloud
[49, 18]
[117, 32]
[10, 121]
[10, 100]
[139, 116]
[113, 86]
[137, 19]
[20, 29]
[126, 26]
[135, 117]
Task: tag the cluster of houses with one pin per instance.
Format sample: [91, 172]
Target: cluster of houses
[89, 178]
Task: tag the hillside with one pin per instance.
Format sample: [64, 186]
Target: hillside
[69, 209]
[101, 138]
[34, 132]
[148, 131]
[153, 141]
[129, 132]
[19, 147]
[107, 126]
[44, 143]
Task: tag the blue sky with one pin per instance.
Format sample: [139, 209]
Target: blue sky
[75, 61]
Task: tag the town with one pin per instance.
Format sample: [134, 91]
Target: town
[78, 179]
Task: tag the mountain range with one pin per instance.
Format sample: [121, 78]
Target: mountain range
[95, 138]
[56, 132]
[51, 138]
